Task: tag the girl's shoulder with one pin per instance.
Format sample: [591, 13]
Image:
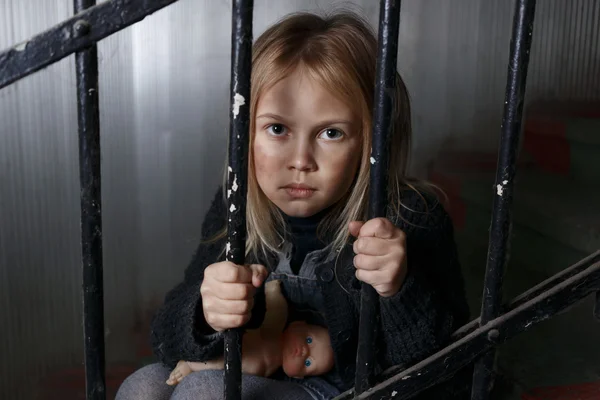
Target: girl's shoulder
[420, 212]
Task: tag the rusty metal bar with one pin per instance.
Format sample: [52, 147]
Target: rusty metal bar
[241, 65]
[520, 46]
[389, 21]
[63, 40]
[86, 64]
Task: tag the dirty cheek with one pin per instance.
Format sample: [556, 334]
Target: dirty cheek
[266, 160]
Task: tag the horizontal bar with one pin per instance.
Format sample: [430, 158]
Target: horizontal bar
[445, 363]
[239, 128]
[534, 291]
[385, 82]
[62, 39]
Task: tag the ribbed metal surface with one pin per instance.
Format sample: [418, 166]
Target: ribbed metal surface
[164, 115]
[456, 56]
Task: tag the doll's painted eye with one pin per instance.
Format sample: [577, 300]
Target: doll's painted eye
[307, 363]
[309, 340]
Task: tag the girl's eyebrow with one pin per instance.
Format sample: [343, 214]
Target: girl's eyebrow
[269, 115]
[322, 123]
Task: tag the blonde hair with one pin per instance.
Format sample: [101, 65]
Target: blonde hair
[340, 52]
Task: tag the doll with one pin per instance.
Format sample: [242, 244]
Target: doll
[300, 349]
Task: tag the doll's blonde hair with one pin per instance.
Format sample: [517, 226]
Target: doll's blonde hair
[340, 52]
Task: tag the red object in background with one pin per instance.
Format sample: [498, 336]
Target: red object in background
[545, 139]
[584, 391]
[454, 205]
[545, 132]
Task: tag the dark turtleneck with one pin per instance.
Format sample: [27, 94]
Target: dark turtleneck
[304, 237]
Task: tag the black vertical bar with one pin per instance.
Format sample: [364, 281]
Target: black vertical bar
[597, 306]
[241, 65]
[86, 63]
[520, 46]
[389, 22]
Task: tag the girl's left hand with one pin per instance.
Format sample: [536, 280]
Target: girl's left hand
[380, 259]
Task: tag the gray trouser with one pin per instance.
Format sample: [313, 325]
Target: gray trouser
[148, 383]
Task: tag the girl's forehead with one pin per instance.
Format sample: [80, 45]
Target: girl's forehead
[301, 92]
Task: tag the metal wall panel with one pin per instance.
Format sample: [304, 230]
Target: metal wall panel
[164, 118]
[458, 77]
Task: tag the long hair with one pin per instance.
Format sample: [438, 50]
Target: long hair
[340, 52]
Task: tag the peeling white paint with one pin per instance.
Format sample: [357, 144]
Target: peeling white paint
[394, 393]
[229, 169]
[238, 101]
[232, 208]
[227, 247]
[228, 193]
[406, 377]
[373, 161]
[234, 186]
[500, 188]
[21, 46]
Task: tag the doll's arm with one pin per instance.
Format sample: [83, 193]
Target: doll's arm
[276, 311]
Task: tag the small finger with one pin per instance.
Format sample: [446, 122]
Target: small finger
[373, 278]
[371, 263]
[221, 322]
[232, 273]
[220, 306]
[259, 274]
[378, 227]
[371, 246]
[233, 291]
[354, 227]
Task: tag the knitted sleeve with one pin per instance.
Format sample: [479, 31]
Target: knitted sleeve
[431, 304]
[179, 331]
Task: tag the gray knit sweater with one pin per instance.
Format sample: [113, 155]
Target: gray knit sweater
[415, 322]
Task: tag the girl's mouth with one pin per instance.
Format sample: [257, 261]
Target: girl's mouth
[300, 191]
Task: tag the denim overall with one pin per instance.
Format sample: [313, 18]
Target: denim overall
[303, 292]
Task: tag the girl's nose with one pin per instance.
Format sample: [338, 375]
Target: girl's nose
[303, 158]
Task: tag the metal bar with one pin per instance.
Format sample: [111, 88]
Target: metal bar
[62, 40]
[597, 306]
[389, 21]
[533, 292]
[444, 364]
[241, 66]
[86, 64]
[520, 46]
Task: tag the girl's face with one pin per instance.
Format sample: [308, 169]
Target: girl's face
[307, 145]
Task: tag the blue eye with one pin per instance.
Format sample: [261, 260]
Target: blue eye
[309, 340]
[307, 363]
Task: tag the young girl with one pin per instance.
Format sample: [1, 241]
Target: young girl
[308, 182]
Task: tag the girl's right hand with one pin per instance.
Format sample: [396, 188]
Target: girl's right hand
[228, 293]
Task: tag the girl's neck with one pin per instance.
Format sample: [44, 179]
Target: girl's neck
[303, 224]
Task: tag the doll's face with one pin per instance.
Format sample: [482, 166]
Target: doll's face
[306, 350]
